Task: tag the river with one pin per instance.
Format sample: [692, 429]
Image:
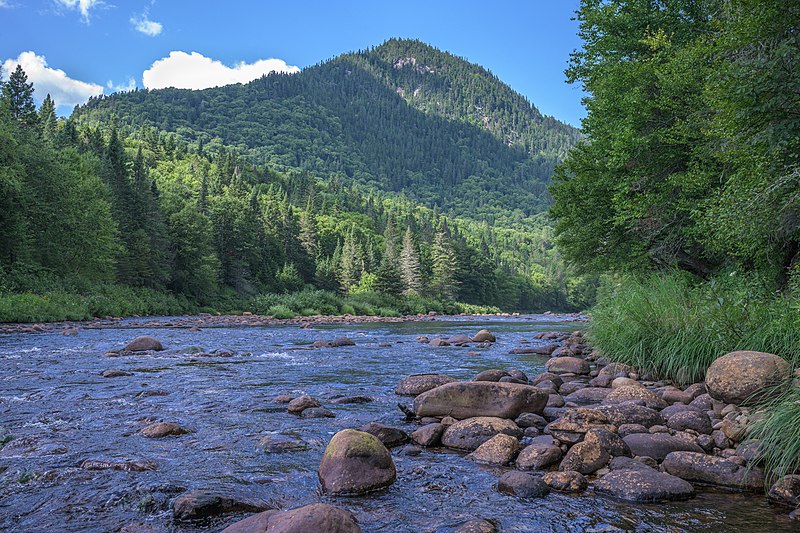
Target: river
[61, 411]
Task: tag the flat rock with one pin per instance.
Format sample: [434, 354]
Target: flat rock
[201, 504]
[644, 486]
[125, 466]
[416, 384]
[470, 433]
[627, 393]
[163, 429]
[317, 412]
[316, 517]
[113, 373]
[714, 470]
[480, 398]
[627, 413]
[659, 445]
[588, 395]
[546, 349]
[335, 343]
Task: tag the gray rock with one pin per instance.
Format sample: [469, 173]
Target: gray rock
[416, 384]
[715, 470]
[196, 505]
[355, 462]
[470, 433]
[522, 485]
[538, 456]
[645, 485]
[566, 481]
[480, 398]
[389, 436]
[428, 435]
[317, 517]
[658, 445]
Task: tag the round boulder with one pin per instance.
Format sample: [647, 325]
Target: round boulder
[484, 335]
[735, 377]
[470, 433]
[563, 365]
[497, 451]
[522, 485]
[355, 462]
[144, 344]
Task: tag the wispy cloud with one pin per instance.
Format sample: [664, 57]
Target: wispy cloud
[121, 87]
[83, 6]
[196, 71]
[143, 24]
[64, 90]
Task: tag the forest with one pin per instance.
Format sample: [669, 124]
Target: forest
[106, 214]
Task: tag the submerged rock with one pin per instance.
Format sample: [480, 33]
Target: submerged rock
[335, 343]
[114, 373]
[315, 518]
[125, 466]
[317, 412]
[196, 505]
[477, 526]
[480, 398]
[355, 462]
[163, 429]
[416, 384]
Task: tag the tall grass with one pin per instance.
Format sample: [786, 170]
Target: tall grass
[676, 328]
[777, 426]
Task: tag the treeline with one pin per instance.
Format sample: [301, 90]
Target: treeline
[441, 131]
[692, 149]
[87, 205]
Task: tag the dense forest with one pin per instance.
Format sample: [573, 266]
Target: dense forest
[125, 202]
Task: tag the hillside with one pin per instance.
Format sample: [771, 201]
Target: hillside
[402, 117]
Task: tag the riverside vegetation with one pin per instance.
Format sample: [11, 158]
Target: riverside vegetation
[685, 190]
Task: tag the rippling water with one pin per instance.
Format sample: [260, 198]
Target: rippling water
[61, 411]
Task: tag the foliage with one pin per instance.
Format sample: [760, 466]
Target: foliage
[676, 327]
[777, 426]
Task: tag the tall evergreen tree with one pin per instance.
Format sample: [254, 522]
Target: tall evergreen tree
[410, 271]
[47, 118]
[444, 265]
[18, 97]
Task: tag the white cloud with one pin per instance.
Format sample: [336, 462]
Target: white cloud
[121, 87]
[196, 71]
[63, 89]
[81, 5]
[143, 24]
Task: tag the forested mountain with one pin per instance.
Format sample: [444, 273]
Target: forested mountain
[401, 117]
[399, 178]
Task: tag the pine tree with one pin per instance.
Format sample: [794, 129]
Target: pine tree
[351, 264]
[308, 232]
[410, 266]
[47, 118]
[388, 274]
[18, 97]
[444, 265]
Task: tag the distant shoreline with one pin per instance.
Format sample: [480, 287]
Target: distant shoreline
[205, 320]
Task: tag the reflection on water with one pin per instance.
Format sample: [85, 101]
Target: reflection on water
[61, 412]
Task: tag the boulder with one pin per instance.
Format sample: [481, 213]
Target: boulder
[572, 427]
[786, 490]
[355, 462]
[497, 451]
[522, 485]
[735, 377]
[460, 340]
[319, 517]
[588, 395]
[416, 384]
[616, 369]
[428, 435]
[480, 398]
[476, 526]
[335, 343]
[586, 457]
[491, 375]
[566, 481]
[626, 413]
[196, 505]
[470, 433]
[162, 429]
[644, 485]
[298, 405]
[714, 470]
[529, 420]
[114, 373]
[658, 445]
[389, 436]
[484, 335]
[546, 349]
[538, 456]
[609, 441]
[690, 419]
[624, 394]
[438, 343]
[620, 382]
[317, 412]
[144, 344]
[564, 365]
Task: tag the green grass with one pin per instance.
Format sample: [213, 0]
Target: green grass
[777, 426]
[675, 327]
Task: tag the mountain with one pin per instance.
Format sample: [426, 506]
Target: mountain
[402, 117]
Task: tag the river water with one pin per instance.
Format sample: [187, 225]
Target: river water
[60, 412]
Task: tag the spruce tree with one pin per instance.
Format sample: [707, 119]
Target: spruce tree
[47, 118]
[18, 97]
[444, 265]
[410, 266]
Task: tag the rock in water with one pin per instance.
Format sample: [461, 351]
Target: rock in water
[144, 344]
[484, 335]
[315, 518]
[389, 436]
[566, 481]
[416, 384]
[658, 445]
[563, 365]
[522, 485]
[470, 433]
[735, 377]
[355, 462]
[202, 504]
[497, 451]
[162, 429]
[480, 398]
[476, 526]
[298, 405]
[645, 485]
[704, 468]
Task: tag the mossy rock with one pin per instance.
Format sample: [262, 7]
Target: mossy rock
[354, 463]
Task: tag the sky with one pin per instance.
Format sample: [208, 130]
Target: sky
[75, 49]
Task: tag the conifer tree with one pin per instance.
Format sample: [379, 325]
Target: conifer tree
[47, 118]
[410, 266]
[18, 97]
[444, 267]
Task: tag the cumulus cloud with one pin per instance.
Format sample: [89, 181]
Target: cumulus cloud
[81, 5]
[64, 90]
[196, 71]
[143, 24]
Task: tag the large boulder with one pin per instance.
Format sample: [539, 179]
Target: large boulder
[658, 445]
[484, 335]
[735, 377]
[144, 344]
[470, 433]
[355, 462]
[609, 441]
[644, 485]
[714, 470]
[416, 384]
[563, 365]
[522, 485]
[480, 398]
[319, 517]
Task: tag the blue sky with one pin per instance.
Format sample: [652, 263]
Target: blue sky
[75, 48]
